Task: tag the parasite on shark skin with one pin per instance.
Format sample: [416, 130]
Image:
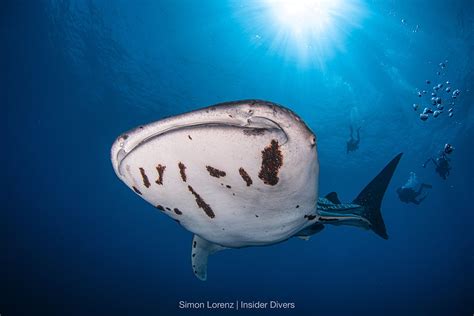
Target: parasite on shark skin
[239, 174]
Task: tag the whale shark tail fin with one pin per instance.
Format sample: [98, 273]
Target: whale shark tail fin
[372, 195]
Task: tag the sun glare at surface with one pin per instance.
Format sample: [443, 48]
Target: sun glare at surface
[307, 30]
[304, 16]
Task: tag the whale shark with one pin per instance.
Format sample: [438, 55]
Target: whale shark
[239, 174]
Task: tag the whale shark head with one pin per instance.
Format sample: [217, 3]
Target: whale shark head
[237, 174]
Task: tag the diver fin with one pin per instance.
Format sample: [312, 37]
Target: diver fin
[200, 252]
[371, 197]
[333, 197]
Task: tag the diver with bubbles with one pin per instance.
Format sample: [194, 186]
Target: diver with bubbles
[442, 162]
[408, 192]
[353, 143]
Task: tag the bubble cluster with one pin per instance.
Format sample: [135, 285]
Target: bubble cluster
[441, 94]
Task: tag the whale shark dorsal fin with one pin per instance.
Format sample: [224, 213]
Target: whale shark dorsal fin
[201, 249]
[333, 197]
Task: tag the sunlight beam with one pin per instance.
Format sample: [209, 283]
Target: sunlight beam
[306, 30]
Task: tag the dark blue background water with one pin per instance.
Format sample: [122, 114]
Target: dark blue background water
[76, 241]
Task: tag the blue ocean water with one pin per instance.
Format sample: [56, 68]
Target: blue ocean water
[76, 74]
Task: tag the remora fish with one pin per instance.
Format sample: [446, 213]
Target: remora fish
[239, 174]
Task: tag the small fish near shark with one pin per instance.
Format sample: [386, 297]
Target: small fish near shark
[239, 174]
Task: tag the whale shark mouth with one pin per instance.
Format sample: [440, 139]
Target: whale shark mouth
[133, 140]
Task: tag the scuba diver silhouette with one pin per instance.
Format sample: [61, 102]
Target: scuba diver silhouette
[407, 192]
[353, 144]
[441, 163]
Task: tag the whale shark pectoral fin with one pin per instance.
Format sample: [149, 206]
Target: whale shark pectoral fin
[305, 238]
[201, 249]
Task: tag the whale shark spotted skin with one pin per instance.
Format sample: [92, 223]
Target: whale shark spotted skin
[238, 174]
